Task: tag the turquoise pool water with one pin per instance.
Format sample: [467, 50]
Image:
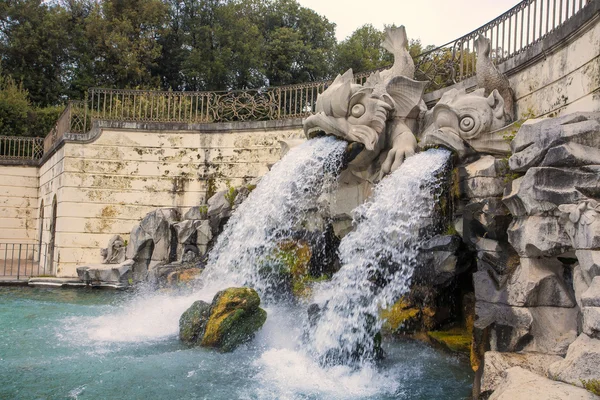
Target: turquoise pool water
[91, 344]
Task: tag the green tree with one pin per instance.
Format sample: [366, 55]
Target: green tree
[14, 107]
[123, 37]
[33, 48]
[300, 44]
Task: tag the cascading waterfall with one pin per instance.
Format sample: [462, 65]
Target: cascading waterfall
[284, 201]
[378, 259]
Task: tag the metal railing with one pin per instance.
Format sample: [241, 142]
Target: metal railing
[73, 119]
[511, 33]
[22, 260]
[282, 102]
[21, 148]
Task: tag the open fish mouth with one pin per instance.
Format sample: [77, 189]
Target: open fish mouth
[322, 125]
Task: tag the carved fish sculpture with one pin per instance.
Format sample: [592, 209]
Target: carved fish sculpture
[373, 115]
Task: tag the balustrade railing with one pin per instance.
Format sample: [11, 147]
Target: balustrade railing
[510, 34]
[21, 148]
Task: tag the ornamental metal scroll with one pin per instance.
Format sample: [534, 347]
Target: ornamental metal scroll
[248, 105]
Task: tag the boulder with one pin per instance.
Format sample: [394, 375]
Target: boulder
[538, 236]
[544, 189]
[481, 178]
[204, 236]
[536, 282]
[571, 155]
[520, 384]
[582, 362]
[220, 206]
[591, 321]
[486, 217]
[510, 327]
[547, 330]
[235, 316]
[589, 262]
[192, 323]
[150, 242]
[102, 274]
[591, 297]
[536, 137]
[186, 231]
[496, 363]
[580, 284]
[439, 260]
[196, 213]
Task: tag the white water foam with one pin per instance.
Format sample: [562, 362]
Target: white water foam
[378, 259]
[284, 200]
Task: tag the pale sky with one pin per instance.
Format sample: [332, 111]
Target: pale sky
[433, 21]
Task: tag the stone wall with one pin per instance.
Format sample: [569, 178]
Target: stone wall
[104, 185]
[18, 204]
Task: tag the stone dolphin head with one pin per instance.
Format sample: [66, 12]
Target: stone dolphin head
[467, 123]
[351, 112]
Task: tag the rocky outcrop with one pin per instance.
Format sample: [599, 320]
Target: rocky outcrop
[150, 242]
[547, 298]
[581, 363]
[535, 283]
[230, 320]
[162, 239]
[520, 384]
[496, 364]
[537, 138]
[107, 275]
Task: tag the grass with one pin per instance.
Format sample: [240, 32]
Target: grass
[593, 385]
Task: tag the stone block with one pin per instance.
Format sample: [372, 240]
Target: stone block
[589, 262]
[538, 236]
[532, 142]
[536, 282]
[591, 321]
[496, 363]
[581, 362]
[547, 330]
[520, 384]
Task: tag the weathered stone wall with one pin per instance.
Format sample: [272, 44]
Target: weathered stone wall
[106, 185]
[563, 81]
[18, 204]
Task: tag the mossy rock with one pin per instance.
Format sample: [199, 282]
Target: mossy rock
[192, 322]
[234, 318]
[399, 316]
[455, 339]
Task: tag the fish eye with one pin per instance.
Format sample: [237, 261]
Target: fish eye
[467, 124]
[358, 110]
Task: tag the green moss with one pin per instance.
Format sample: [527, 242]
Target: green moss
[455, 339]
[193, 321]
[398, 315]
[593, 385]
[450, 229]
[231, 194]
[234, 317]
[505, 172]
[295, 257]
[211, 187]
